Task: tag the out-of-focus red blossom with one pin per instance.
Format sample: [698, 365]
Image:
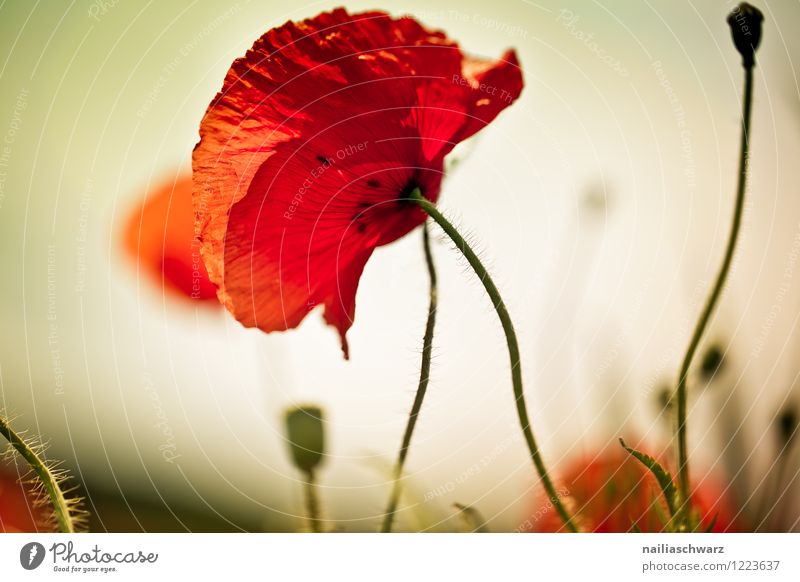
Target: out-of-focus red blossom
[159, 235]
[613, 492]
[309, 153]
[17, 513]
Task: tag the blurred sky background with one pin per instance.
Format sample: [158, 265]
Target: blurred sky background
[601, 201]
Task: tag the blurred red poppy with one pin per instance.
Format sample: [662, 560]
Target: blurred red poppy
[613, 492]
[159, 235]
[17, 512]
[309, 153]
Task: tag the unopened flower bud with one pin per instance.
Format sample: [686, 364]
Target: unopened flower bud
[713, 361]
[787, 425]
[306, 435]
[665, 399]
[745, 22]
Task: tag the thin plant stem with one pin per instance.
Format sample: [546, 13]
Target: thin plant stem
[312, 502]
[46, 477]
[422, 387]
[513, 350]
[713, 298]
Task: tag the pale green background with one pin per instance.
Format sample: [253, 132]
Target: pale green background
[577, 195]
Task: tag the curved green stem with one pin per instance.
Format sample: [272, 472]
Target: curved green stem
[47, 478]
[513, 349]
[716, 291]
[312, 502]
[424, 376]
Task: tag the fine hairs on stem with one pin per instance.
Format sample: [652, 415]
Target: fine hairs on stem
[69, 516]
[745, 23]
[513, 350]
[424, 376]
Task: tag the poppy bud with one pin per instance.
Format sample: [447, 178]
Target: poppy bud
[712, 363]
[665, 399]
[306, 435]
[745, 22]
[787, 426]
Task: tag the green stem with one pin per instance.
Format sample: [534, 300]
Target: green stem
[513, 350]
[424, 376]
[312, 502]
[681, 391]
[47, 478]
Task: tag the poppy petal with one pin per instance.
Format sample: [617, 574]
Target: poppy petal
[159, 236]
[308, 155]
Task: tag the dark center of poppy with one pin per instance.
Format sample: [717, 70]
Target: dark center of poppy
[405, 193]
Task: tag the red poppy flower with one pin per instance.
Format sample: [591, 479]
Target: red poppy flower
[159, 235]
[309, 153]
[17, 510]
[613, 492]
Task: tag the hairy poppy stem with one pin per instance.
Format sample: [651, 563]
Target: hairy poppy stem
[47, 478]
[716, 291]
[312, 502]
[424, 376]
[513, 349]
